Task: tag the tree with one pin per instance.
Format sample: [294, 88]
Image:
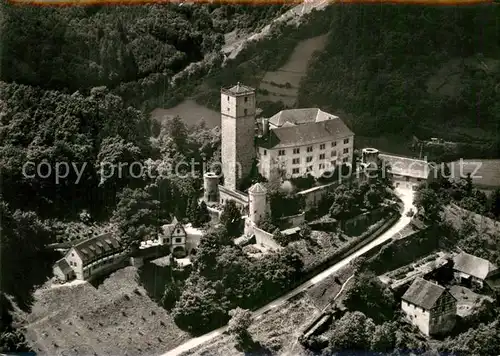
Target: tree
[495, 203]
[482, 340]
[383, 338]
[373, 198]
[192, 210]
[351, 333]
[231, 218]
[305, 231]
[201, 306]
[202, 215]
[137, 216]
[344, 202]
[370, 296]
[241, 319]
[279, 237]
[429, 205]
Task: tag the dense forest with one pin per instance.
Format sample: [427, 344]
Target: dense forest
[412, 70]
[389, 70]
[134, 51]
[72, 83]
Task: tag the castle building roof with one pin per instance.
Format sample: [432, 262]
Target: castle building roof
[297, 127]
[406, 166]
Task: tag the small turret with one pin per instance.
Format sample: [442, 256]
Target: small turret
[265, 127]
[211, 187]
[370, 156]
[257, 204]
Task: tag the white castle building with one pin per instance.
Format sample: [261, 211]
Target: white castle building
[296, 142]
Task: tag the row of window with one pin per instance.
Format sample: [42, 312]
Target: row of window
[321, 166]
[322, 156]
[309, 149]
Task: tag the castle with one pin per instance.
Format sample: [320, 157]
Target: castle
[294, 142]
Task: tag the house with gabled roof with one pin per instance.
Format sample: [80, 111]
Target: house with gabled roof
[470, 269]
[62, 270]
[430, 307]
[90, 257]
[183, 239]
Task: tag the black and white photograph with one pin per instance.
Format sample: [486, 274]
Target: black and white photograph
[249, 177]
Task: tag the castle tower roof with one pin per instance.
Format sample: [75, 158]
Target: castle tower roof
[257, 188]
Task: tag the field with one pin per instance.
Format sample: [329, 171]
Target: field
[487, 175]
[283, 84]
[277, 331]
[322, 293]
[457, 216]
[190, 112]
[116, 318]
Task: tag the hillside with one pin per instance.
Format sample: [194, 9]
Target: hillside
[425, 71]
[389, 70]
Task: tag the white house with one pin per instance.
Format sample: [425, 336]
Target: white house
[430, 307]
[90, 257]
[183, 238]
[472, 269]
[302, 141]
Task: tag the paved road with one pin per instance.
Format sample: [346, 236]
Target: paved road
[406, 196]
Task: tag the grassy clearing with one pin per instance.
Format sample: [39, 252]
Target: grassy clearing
[291, 73]
[322, 293]
[190, 112]
[116, 318]
[277, 330]
[487, 175]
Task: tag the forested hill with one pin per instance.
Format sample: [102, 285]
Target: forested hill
[127, 48]
[429, 71]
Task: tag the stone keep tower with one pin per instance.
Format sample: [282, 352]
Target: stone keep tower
[237, 106]
[257, 204]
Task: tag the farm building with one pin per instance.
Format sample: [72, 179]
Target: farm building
[470, 269]
[430, 307]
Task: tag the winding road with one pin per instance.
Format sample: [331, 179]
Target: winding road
[406, 196]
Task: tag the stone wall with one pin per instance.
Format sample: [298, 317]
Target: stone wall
[287, 222]
[313, 196]
[265, 238]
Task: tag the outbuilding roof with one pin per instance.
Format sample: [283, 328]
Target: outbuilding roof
[95, 246]
[63, 266]
[423, 293]
[475, 266]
